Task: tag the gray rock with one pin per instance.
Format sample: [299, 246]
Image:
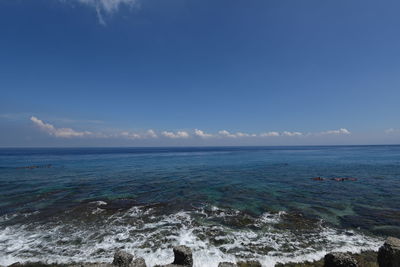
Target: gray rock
[92, 265]
[337, 259]
[389, 253]
[139, 262]
[122, 258]
[183, 256]
[226, 264]
[249, 264]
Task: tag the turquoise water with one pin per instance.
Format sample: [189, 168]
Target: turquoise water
[226, 203]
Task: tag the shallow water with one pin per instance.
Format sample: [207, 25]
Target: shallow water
[225, 203]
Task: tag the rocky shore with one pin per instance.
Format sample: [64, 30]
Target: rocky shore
[387, 256]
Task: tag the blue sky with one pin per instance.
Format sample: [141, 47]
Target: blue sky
[184, 72]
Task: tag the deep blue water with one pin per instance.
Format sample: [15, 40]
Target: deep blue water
[272, 185]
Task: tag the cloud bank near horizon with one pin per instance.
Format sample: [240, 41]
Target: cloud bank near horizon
[63, 132]
[58, 132]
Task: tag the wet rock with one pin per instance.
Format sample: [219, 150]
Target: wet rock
[249, 264]
[183, 256]
[139, 262]
[303, 264]
[338, 259]
[389, 253]
[226, 264]
[122, 258]
[367, 258]
[93, 265]
[38, 264]
[240, 221]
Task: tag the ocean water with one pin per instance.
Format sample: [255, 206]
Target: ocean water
[227, 204]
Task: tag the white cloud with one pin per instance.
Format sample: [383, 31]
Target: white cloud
[108, 6]
[202, 134]
[267, 134]
[239, 134]
[152, 134]
[130, 135]
[58, 132]
[70, 133]
[286, 133]
[339, 131]
[226, 134]
[179, 134]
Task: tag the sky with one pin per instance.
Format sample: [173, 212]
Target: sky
[199, 73]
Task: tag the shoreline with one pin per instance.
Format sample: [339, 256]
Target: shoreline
[183, 257]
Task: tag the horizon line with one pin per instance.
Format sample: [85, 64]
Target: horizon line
[222, 146]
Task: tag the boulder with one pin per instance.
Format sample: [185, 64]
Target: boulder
[183, 256]
[226, 264]
[122, 259]
[389, 253]
[337, 259]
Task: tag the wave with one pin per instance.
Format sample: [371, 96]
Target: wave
[214, 234]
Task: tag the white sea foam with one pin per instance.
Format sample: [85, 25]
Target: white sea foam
[270, 218]
[211, 242]
[97, 211]
[100, 203]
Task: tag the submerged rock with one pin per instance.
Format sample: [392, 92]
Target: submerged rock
[337, 259]
[122, 258]
[389, 253]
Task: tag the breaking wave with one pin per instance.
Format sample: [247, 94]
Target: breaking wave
[214, 234]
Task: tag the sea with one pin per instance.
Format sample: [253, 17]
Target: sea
[272, 204]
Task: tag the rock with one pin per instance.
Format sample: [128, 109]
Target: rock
[92, 265]
[183, 256]
[139, 262]
[226, 264]
[249, 264]
[337, 259]
[389, 253]
[122, 258]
